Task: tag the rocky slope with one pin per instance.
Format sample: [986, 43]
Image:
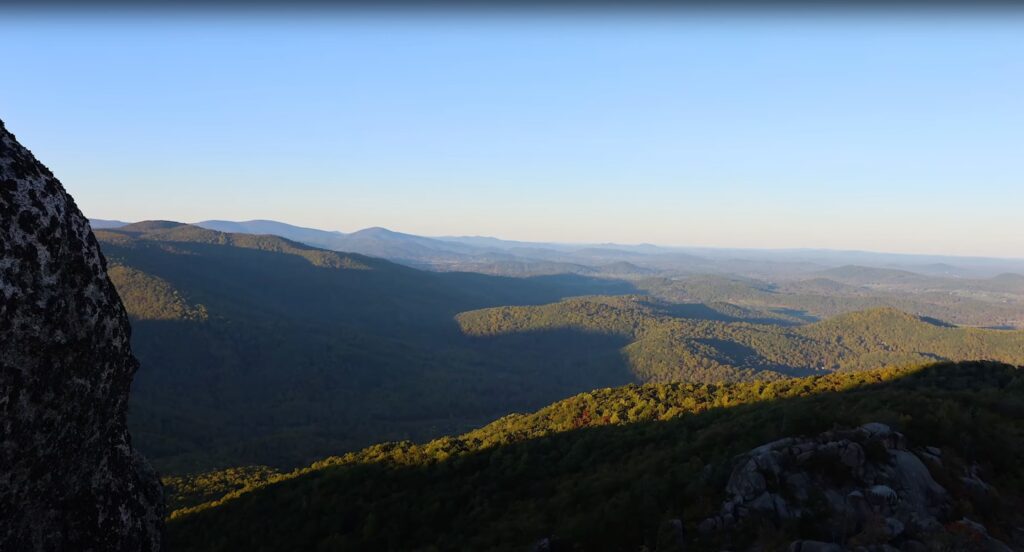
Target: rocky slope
[69, 478]
[859, 489]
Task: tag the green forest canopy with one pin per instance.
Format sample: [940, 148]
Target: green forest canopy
[664, 347]
[604, 468]
[258, 350]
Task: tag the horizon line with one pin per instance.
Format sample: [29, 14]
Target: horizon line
[582, 244]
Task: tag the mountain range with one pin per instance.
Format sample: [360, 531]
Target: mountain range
[270, 367]
[806, 284]
[259, 349]
[262, 350]
[308, 390]
[493, 255]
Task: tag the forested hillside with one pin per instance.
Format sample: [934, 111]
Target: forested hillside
[665, 346]
[802, 284]
[641, 280]
[256, 349]
[259, 349]
[607, 469]
[994, 302]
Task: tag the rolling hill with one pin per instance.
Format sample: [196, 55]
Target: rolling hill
[981, 303]
[408, 249]
[806, 283]
[309, 236]
[664, 346]
[260, 349]
[645, 467]
[867, 276]
[260, 354]
[98, 224]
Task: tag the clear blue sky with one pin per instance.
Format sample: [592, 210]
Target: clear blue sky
[880, 132]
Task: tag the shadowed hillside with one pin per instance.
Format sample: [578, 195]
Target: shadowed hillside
[260, 349]
[666, 347]
[607, 469]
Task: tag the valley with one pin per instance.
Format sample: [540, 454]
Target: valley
[353, 402]
[258, 350]
[335, 278]
[262, 350]
[805, 284]
[348, 401]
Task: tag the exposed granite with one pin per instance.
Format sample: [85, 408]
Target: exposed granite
[69, 478]
[861, 489]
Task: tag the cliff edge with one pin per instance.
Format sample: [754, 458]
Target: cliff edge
[69, 478]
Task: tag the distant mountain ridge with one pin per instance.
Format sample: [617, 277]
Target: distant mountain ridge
[854, 274]
[487, 254]
[990, 296]
[236, 330]
[99, 224]
[310, 236]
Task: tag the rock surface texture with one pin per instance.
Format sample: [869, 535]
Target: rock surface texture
[858, 489]
[69, 478]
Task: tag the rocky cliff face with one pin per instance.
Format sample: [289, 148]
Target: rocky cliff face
[858, 489]
[69, 478]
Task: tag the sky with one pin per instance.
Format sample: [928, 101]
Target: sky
[880, 132]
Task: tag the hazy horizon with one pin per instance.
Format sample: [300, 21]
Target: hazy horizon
[864, 134]
[683, 246]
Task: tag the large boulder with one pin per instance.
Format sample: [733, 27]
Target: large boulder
[69, 478]
[855, 489]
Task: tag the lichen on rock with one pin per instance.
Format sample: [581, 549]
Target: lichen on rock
[69, 478]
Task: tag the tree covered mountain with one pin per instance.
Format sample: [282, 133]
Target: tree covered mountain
[804, 283]
[261, 354]
[498, 256]
[408, 249]
[99, 224]
[642, 467]
[261, 350]
[666, 345]
[991, 302]
[309, 236]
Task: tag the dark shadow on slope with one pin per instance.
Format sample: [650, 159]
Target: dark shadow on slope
[227, 392]
[701, 311]
[242, 282]
[744, 357]
[937, 322]
[730, 352]
[533, 290]
[724, 311]
[796, 313]
[569, 356]
[609, 487]
[298, 360]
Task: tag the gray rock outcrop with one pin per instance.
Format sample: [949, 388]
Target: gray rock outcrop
[69, 478]
[859, 489]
